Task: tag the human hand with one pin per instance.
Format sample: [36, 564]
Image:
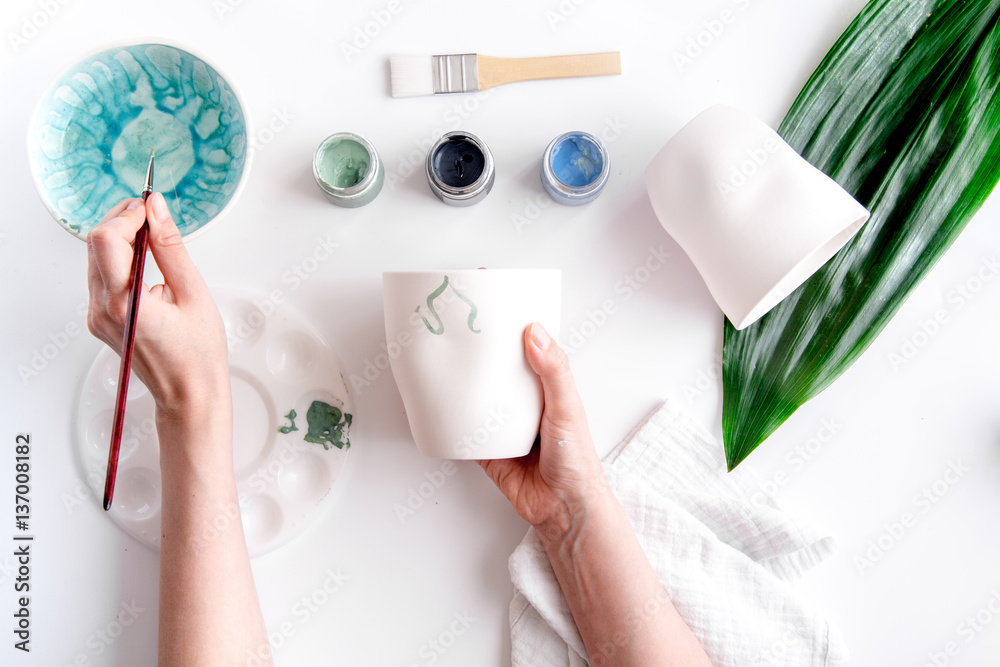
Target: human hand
[180, 349]
[562, 474]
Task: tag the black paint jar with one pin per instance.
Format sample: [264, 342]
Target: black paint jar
[460, 169]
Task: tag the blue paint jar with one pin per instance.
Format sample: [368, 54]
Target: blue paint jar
[575, 168]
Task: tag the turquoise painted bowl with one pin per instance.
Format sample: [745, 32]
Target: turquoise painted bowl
[90, 137]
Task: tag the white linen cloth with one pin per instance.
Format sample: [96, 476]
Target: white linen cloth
[723, 550]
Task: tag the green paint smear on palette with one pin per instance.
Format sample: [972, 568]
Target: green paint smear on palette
[288, 428]
[328, 426]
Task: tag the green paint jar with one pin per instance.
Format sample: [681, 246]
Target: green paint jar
[348, 170]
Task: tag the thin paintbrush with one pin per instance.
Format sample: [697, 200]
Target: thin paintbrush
[469, 72]
[128, 340]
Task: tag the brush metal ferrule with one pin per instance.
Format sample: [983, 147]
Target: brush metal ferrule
[147, 187]
[457, 73]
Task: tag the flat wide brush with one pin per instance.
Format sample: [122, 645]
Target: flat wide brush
[469, 72]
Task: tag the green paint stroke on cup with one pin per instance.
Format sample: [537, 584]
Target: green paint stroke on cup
[439, 329]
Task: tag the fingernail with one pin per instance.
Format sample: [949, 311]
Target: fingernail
[540, 337]
[160, 207]
[135, 203]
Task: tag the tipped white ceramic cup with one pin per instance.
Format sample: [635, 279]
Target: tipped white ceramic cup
[755, 218]
[456, 346]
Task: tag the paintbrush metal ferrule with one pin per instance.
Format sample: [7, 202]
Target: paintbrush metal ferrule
[457, 73]
[147, 188]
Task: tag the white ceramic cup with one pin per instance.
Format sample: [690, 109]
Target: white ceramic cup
[755, 218]
[457, 354]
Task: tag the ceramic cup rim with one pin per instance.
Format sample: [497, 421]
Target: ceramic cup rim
[795, 275]
[119, 44]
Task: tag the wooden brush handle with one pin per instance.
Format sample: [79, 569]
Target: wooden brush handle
[498, 71]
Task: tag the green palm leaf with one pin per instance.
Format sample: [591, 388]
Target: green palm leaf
[904, 113]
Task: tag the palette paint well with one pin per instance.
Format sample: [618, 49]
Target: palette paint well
[278, 364]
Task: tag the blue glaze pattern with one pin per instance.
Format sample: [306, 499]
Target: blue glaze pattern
[91, 136]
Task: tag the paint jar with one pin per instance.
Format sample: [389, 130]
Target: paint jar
[575, 168]
[348, 170]
[460, 169]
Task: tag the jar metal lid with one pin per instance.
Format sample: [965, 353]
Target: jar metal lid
[340, 177]
[582, 177]
[455, 186]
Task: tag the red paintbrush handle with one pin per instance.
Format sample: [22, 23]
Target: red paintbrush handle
[125, 369]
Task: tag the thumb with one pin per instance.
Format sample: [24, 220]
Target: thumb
[165, 242]
[563, 406]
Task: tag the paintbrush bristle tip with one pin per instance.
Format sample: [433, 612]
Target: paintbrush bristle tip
[411, 76]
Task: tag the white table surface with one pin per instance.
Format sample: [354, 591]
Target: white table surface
[897, 429]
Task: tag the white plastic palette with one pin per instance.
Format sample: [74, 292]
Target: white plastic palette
[277, 363]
